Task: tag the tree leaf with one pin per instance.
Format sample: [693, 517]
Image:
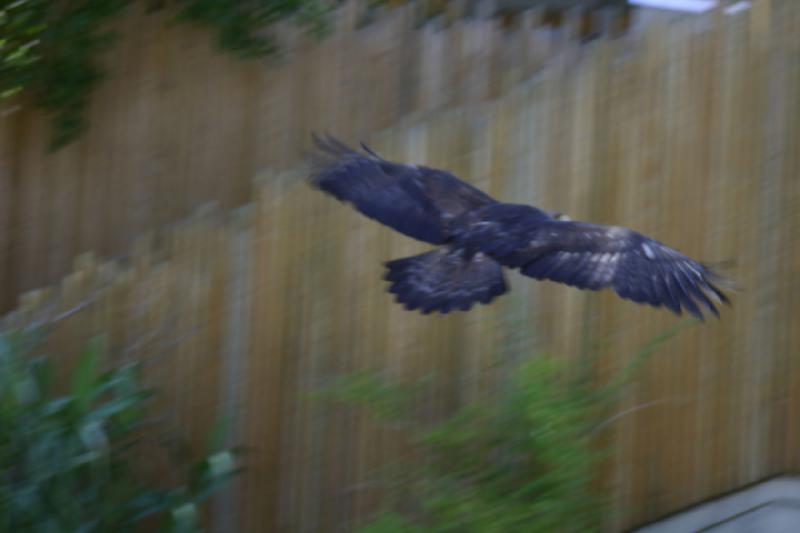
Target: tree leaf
[85, 377]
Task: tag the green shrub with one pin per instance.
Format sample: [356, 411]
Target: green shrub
[520, 461]
[66, 459]
[524, 459]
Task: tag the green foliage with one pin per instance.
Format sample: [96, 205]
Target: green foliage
[19, 43]
[65, 459]
[522, 461]
[390, 522]
[386, 401]
[50, 48]
[240, 24]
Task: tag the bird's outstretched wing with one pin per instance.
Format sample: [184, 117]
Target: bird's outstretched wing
[592, 256]
[420, 202]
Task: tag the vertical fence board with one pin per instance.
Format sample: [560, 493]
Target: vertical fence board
[684, 132]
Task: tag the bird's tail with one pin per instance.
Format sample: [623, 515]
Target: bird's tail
[445, 279]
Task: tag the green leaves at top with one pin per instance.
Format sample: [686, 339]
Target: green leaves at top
[51, 49]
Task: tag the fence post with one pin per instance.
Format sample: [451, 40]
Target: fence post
[235, 347]
[9, 156]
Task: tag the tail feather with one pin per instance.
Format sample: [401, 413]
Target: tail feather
[444, 280]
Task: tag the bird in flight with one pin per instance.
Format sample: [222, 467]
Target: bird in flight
[477, 237]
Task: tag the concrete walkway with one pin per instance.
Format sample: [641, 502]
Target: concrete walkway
[769, 507]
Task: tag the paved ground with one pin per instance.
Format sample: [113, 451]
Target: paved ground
[770, 507]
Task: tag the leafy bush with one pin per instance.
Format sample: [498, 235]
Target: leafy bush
[522, 460]
[66, 460]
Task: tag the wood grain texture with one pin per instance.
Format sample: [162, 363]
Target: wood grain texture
[177, 123]
[684, 131]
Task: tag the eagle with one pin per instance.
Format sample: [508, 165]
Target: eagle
[477, 237]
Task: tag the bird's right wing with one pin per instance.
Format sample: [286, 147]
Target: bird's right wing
[416, 201]
[593, 256]
[636, 267]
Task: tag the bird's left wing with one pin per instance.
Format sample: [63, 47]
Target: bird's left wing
[419, 202]
[593, 256]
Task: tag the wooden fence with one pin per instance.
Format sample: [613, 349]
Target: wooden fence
[178, 123]
[688, 133]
